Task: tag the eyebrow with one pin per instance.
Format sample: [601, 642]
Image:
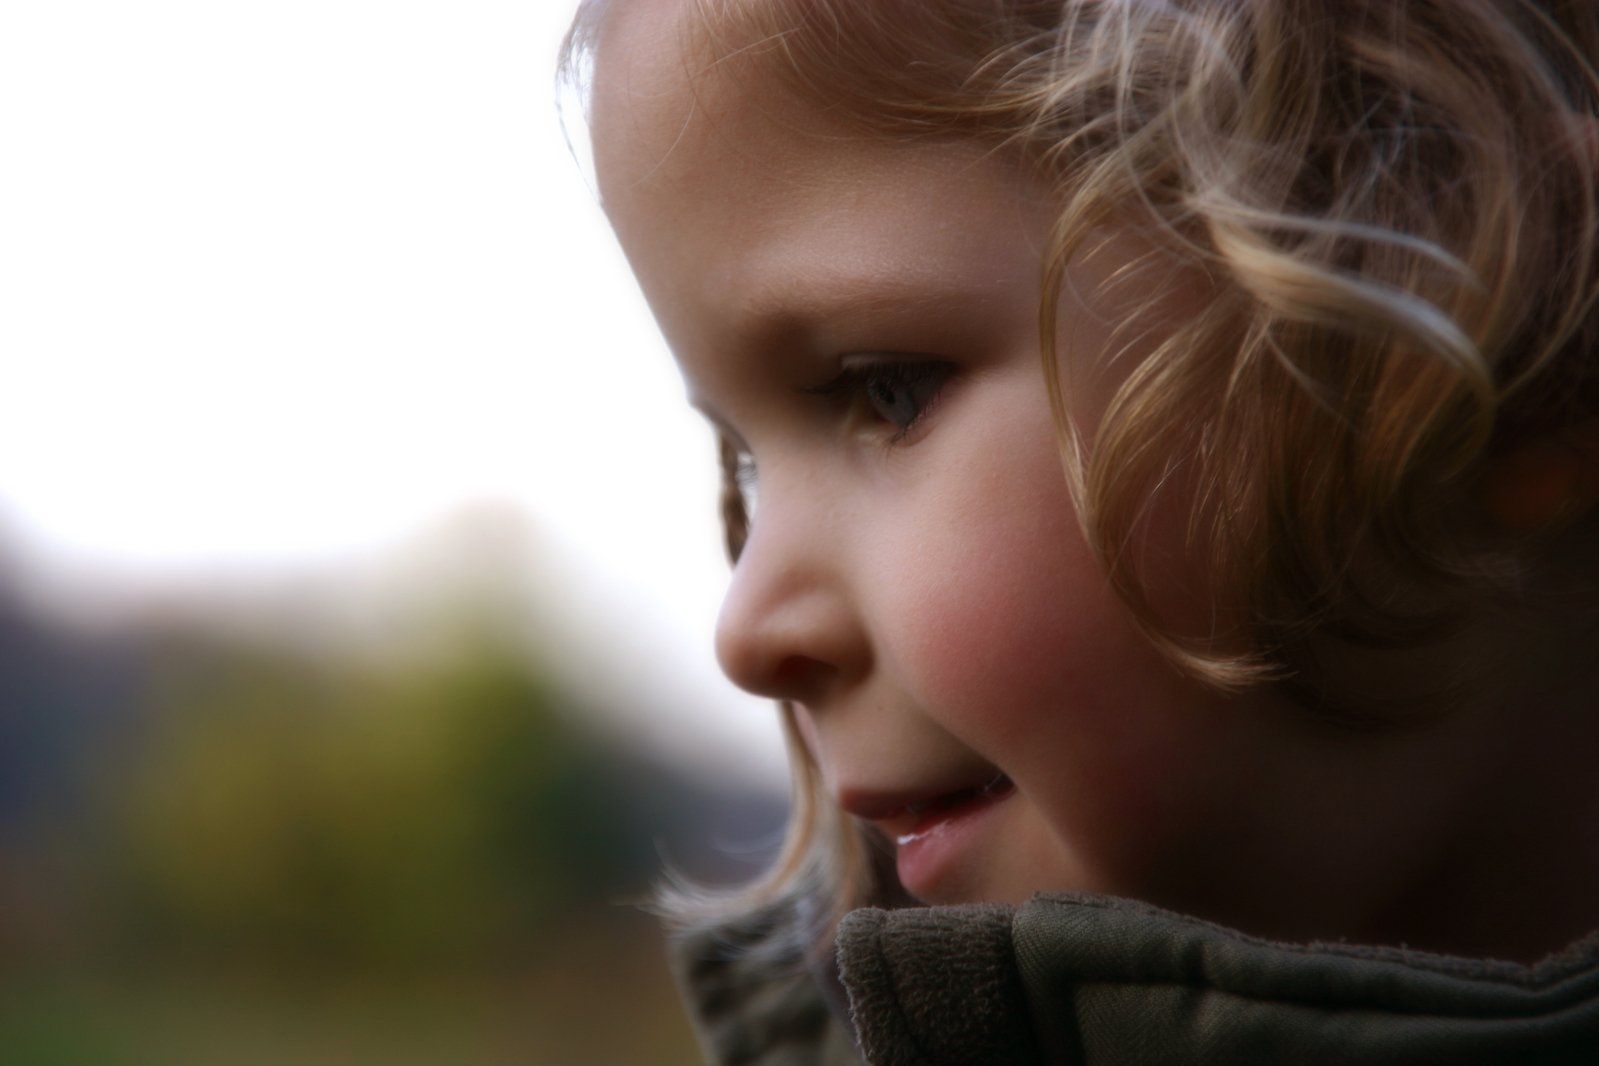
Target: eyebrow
[820, 311]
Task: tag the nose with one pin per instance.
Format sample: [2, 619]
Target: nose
[789, 628]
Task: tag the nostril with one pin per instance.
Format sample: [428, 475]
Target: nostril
[798, 676]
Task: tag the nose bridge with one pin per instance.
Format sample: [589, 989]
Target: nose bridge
[787, 624]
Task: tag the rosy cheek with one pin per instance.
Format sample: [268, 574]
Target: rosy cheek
[1001, 645]
[1039, 669]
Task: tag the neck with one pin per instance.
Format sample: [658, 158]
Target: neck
[1473, 830]
[1516, 875]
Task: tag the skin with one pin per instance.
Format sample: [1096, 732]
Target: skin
[925, 597]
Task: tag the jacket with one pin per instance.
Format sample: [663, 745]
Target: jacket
[1083, 979]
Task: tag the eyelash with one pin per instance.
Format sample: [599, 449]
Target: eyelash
[868, 385]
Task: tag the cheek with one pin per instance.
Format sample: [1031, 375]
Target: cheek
[1015, 643]
[1020, 638]
[1004, 608]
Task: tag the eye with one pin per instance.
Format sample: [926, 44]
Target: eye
[746, 478]
[739, 477]
[897, 393]
[744, 470]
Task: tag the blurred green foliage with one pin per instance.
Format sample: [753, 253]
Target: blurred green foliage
[421, 813]
[281, 850]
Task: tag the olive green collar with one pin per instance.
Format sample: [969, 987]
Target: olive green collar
[1090, 979]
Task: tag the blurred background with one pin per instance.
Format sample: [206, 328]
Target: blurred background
[358, 560]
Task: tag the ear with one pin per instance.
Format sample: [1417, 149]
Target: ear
[1544, 482]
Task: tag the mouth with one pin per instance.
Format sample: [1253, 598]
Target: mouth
[919, 819]
[932, 830]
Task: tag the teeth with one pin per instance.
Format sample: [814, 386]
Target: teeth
[999, 784]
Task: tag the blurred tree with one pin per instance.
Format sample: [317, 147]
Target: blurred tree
[436, 811]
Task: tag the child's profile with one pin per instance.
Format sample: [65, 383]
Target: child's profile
[1161, 442]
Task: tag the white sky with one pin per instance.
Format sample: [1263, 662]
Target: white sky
[282, 281]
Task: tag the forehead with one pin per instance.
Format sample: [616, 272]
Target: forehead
[728, 193]
[672, 113]
[676, 105]
[643, 86]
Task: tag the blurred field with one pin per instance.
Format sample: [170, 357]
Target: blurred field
[224, 843]
[599, 994]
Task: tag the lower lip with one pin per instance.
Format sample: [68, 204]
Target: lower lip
[928, 857]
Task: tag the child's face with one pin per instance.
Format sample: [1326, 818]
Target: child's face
[862, 315]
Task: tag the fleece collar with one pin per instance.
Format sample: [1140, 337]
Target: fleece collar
[1081, 979]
